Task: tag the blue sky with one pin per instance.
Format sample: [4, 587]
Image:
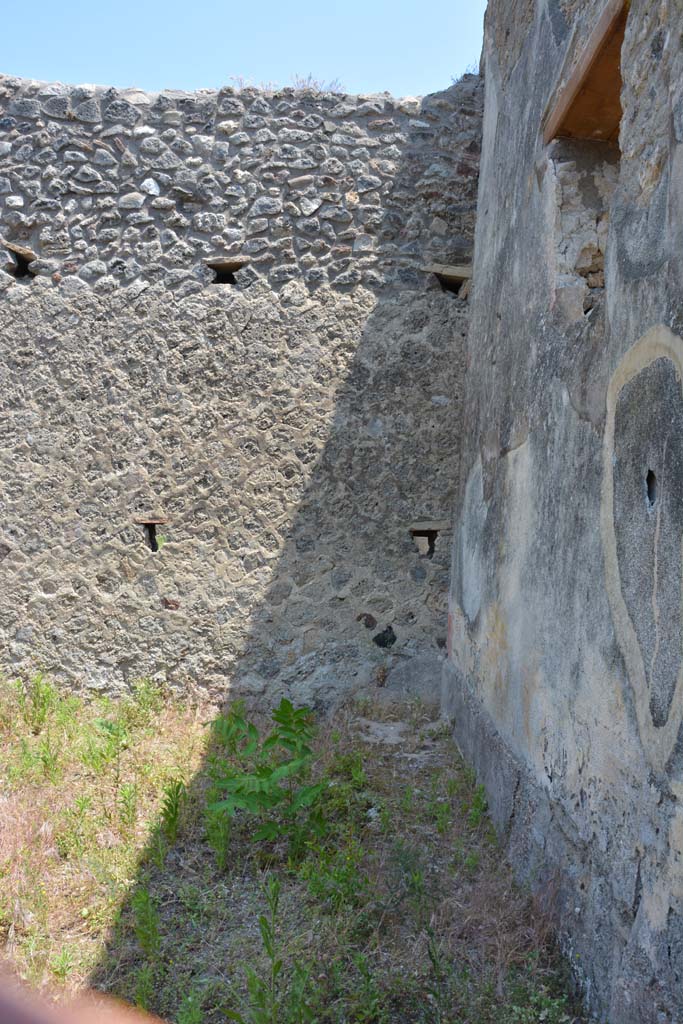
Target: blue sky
[403, 46]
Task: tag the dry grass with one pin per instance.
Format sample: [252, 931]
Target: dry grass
[69, 846]
[404, 911]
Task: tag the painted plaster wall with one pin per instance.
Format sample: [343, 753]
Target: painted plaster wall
[565, 672]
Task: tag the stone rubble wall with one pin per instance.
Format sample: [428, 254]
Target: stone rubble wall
[289, 429]
[120, 187]
[586, 175]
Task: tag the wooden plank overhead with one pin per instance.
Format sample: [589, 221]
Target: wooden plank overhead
[587, 104]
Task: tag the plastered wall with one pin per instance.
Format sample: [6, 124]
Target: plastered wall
[564, 671]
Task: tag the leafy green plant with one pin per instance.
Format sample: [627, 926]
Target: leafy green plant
[232, 732]
[416, 883]
[264, 991]
[66, 713]
[407, 797]
[368, 1004]
[344, 807]
[25, 762]
[471, 862]
[271, 782]
[158, 848]
[70, 838]
[453, 786]
[172, 801]
[441, 983]
[48, 755]
[146, 922]
[350, 766]
[63, 963]
[531, 1004]
[441, 812]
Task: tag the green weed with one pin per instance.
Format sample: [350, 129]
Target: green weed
[144, 705]
[48, 756]
[190, 1011]
[175, 794]
[35, 700]
[146, 922]
[440, 810]
[273, 998]
[144, 987]
[349, 766]
[158, 849]
[234, 734]
[407, 799]
[218, 826]
[531, 1003]
[70, 838]
[335, 877]
[128, 804]
[104, 745]
[439, 985]
[63, 963]
[478, 807]
[471, 862]
[368, 1006]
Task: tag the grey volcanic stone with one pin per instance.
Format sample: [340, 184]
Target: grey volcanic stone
[132, 201]
[88, 111]
[266, 206]
[234, 403]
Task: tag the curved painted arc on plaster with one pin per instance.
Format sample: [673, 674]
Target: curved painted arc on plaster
[658, 741]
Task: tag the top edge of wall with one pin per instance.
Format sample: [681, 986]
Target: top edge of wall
[144, 97]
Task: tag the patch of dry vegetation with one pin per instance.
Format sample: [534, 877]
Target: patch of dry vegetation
[118, 871]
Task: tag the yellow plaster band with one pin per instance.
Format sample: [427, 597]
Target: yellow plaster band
[658, 742]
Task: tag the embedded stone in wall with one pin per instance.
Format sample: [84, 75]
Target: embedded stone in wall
[164, 181]
[586, 176]
[229, 327]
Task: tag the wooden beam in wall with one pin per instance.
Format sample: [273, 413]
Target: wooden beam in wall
[587, 102]
[227, 264]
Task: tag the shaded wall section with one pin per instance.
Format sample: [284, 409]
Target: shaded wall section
[288, 442]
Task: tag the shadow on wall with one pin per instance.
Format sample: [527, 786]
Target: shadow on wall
[330, 619]
[356, 595]
[291, 446]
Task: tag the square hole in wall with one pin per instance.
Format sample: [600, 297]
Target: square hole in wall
[153, 539]
[425, 535]
[22, 258]
[455, 279]
[225, 268]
